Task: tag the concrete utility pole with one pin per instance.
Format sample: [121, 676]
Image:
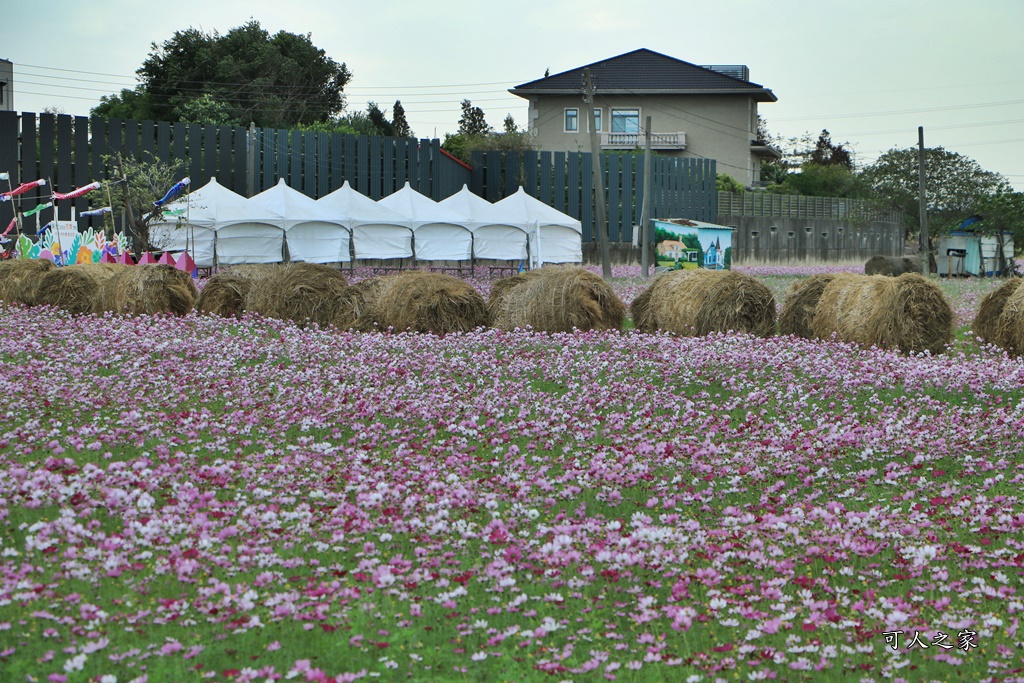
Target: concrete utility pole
[645, 211]
[926, 247]
[595, 155]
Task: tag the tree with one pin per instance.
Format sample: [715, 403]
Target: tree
[955, 186]
[379, 121]
[277, 81]
[399, 122]
[205, 110]
[827, 154]
[139, 183]
[472, 123]
[816, 180]
[726, 183]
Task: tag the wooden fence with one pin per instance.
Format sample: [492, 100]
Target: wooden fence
[680, 188]
[69, 152]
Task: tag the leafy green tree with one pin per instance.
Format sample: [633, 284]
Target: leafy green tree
[955, 186]
[816, 180]
[399, 122]
[827, 154]
[726, 183]
[141, 183]
[379, 120]
[472, 122]
[205, 110]
[275, 81]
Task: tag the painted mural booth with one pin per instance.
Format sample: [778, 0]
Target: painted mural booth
[681, 244]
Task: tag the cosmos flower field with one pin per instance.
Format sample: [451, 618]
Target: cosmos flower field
[189, 499]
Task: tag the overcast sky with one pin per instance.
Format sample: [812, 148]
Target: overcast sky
[869, 71]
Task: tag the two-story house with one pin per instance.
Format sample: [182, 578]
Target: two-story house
[696, 111]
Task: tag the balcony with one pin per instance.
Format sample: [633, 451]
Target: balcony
[676, 141]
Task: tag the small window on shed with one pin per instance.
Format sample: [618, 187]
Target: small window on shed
[824, 233]
[792, 234]
[808, 230]
[774, 229]
[754, 233]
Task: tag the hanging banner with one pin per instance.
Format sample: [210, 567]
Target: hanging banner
[33, 212]
[85, 189]
[178, 188]
[94, 212]
[21, 189]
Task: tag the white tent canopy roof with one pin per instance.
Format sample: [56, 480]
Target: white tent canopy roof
[311, 234]
[291, 204]
[377, 232]
[524, 209]
[560, 236]
[418, 209]
[494, 235]
[352, 208]
[221, 225]
[440, 233]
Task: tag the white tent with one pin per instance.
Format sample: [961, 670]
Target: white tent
[561, 236]
[377, 232]
[494, 237]
[220, 226]
[440, 233]
[310, 234]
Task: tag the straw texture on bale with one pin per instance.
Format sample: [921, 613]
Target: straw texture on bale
[420, 301]
[908, 312]
[986, 322]
[78, 288]
[300, 292]
[1009, 333]
[892, 265]
[555, 299]
[801, 302]
[355, 301]
[149, 289]
[699, 302]
[20, 279]
[254, 271]
[224, 295]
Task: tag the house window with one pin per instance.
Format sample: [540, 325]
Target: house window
[597, 119]
[625, 120]
[572, 120]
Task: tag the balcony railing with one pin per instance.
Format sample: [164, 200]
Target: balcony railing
[635, 140]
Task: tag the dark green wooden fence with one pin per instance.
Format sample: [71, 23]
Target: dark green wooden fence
[68, 152]
[680, 188]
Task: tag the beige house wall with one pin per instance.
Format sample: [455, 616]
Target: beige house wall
[719, 127]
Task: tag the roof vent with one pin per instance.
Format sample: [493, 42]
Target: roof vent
[739, 71]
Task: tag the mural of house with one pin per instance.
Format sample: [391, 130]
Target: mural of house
[714, 250]
[696, 111]
[673, 253]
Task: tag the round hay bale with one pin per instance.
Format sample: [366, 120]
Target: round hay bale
[555, 299]
[912, 264]
[300, 292]
[699, 302]
[78, 288]
[1009, 332]
[908, 313]
[986, 321]
[420, 301]
[887, 265]
[501, 287]
[149, 289]
[224, 295]
[20, 279]
[254, 271]
[801, 302]
[355, 301]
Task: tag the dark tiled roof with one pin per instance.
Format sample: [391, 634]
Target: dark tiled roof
[645, 72]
